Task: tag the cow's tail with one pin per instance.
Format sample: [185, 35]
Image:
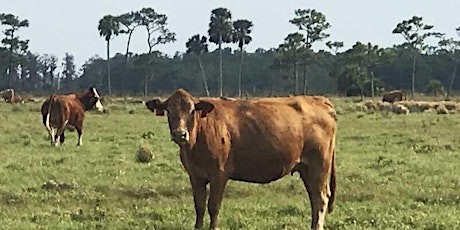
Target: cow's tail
[52, 100]
[332, 185]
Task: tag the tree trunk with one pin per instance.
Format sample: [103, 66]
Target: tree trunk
[203, 75]
[10, 64]
[109, 85]
[296, 80]
[145, 84]
[372, 84]
[240, 72]
[305, 80]
[413, 74]
[220, 69]
[452, 81]
[127, 45]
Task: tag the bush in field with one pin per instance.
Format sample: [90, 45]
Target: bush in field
[144, 154]
[434, 87]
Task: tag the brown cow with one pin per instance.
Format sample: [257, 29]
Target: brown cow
[68, 111]
[394, 95]
[7, 95]
[257, 141]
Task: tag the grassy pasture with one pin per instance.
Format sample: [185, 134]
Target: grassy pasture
[393, 172]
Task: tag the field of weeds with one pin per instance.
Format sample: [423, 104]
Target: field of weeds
[393, 172]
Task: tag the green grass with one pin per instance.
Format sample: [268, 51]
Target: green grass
[393, 172]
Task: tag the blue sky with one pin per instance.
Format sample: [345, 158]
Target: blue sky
[63, 26]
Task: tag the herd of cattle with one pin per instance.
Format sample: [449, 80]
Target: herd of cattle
[216, 139]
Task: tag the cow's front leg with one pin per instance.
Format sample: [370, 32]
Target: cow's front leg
[62, 138]
[217, 188]
[199, 197]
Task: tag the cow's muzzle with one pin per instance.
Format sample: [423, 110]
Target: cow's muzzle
[180, 136]
[99, 106]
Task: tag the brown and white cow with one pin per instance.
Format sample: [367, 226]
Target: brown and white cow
[256, 141]
[9, 96]
[394, 95]
[68, 111]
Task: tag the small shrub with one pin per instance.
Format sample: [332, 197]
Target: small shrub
[148, 135]
[144, 154]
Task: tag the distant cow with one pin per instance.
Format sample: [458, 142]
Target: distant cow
[257, 141]
[395, 95]
[7, 95]
[61, 111]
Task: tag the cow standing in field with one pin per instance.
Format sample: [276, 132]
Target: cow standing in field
[9, 97]
[394, 95]
[68, 111]
[257, 141]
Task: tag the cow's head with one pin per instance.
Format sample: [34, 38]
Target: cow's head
[91, 98]
[183, 113]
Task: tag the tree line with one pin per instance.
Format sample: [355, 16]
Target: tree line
[291, 68]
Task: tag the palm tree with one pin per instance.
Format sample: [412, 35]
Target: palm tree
[108, 26]
[220, 31]
[242, 29]
[197, 46]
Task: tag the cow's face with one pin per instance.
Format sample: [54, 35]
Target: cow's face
[94, 100]
[183, 113]
[98, 104]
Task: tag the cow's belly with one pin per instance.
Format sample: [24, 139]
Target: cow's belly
[262, 170]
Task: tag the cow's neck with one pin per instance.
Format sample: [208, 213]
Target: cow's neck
[85, 102]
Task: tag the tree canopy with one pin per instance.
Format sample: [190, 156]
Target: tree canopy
[363, 69]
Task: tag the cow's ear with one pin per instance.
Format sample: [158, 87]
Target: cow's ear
[156, 106]
[205, 107]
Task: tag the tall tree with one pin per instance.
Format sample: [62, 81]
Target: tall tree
[31, 67]
[17, 48]
[313, 23]
[415, 32]
[47, 66]
[290, 54]
[108, 27]
[367, 57]
[220, 31]
[68, 71]
[451, 48]
[198, 45]
[157, 34]
[242, 29]
[130, 21]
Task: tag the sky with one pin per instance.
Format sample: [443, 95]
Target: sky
[60, 26]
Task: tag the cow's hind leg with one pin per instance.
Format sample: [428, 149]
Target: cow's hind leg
[62, 138]
[316, 179]
[59, 134]
[199, 197]
[52, 135]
